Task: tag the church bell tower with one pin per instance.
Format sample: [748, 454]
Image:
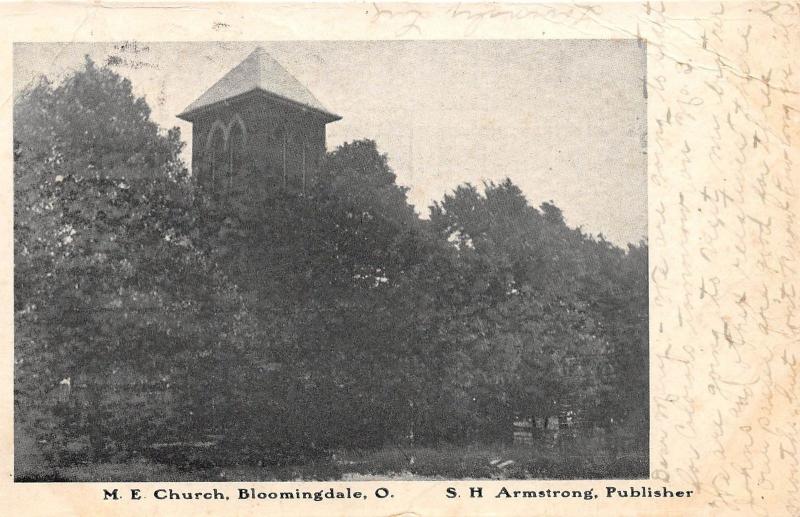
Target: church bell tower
[258, 119]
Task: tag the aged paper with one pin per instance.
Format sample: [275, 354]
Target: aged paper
[722, 119]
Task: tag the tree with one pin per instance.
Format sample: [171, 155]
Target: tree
[358, 175]
[530, 294]
[111, 291]
[327, 276]
[93, 122]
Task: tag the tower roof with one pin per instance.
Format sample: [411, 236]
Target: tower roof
[259, 72]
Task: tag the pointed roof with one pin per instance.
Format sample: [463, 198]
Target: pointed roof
[259, 72]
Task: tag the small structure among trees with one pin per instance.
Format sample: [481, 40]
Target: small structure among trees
[258, 118]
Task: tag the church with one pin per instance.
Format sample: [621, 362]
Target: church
[258, 119]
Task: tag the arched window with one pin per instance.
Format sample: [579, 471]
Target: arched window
[283, 138]
[236, 148]
[295, 160]
[215, 151]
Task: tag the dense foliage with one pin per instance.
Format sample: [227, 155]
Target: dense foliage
[280, 325]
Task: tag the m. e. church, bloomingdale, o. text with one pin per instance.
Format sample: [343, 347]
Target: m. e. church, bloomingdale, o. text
[169, 494]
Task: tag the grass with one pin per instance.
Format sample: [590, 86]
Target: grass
[491, 462]
[584, 461]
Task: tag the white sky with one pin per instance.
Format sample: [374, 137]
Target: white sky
[564, 119]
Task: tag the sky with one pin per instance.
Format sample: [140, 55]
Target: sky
[564, 119]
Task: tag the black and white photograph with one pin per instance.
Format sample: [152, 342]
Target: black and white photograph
[330, 260]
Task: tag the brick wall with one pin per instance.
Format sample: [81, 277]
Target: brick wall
[260, 135]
